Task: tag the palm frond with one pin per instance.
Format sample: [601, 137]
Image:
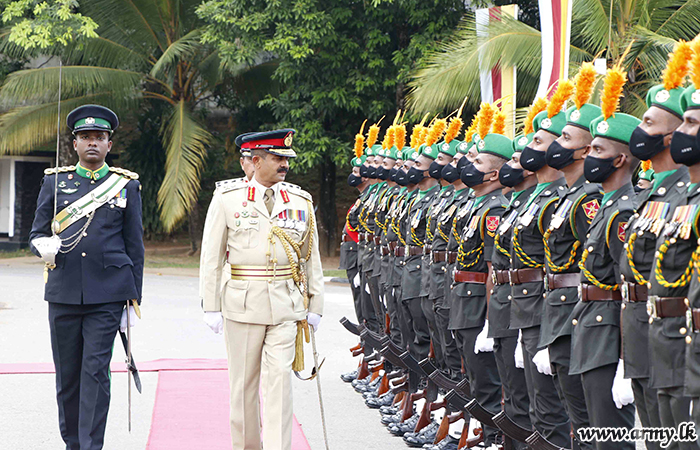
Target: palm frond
[106, 52]
[185, 143]
[682, 21]
[589, 24]
[183, 48]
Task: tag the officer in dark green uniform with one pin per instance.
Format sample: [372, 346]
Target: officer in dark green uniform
[563, 241]
[414, 233]
[472, 280]
[527, 277]
[595, 351]
[516, 402]
[651, 140]
[685, 149]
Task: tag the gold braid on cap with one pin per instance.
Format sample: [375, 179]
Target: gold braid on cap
[562, 94]
[585, 79]
[677, 67]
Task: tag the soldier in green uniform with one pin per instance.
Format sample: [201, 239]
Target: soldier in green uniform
[472, 280]
[648, 347]
[527, 274]
[563, 241]
[595, 350]
[516, 402]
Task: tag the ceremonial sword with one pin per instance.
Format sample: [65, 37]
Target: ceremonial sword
[130, 364]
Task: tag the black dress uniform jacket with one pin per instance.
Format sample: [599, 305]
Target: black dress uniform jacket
[348, 250]
[692, 350]
[442, 233]
[440, 203]
[107, 264]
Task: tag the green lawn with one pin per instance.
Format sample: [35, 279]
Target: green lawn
[15, 253]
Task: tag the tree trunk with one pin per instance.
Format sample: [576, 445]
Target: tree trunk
[327, 214]
[67, 155]
[192, 230]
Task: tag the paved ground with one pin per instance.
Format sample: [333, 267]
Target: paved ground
[172, 328]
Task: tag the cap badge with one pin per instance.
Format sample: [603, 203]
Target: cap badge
[288, 140]
[445, 146]
[662, 96]
[575, 115]
[546, 123]
[602, 127]
[522, 141]
[696, 96]
[463, 146]
[482, 145]
[90, 121]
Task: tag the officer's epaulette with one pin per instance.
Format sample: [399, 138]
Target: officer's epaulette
[294, 189]
[125, 173]
[224, 186]
[592, 188]
[63, 169]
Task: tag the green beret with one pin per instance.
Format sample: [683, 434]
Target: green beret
[391, 153]
[646, 175]
[430, 151]
[405, 153]
[618, 128]
[496, 144]
[667, 100]
[521, 141]
[449, 149]
[690, 98]
[374, 150]
[583, 117]
[357, 162]
[462, 147]
[554, 124]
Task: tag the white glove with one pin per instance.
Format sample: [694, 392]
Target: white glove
[314, 320]
[622, 388]
[367, 288]
[215, 321]
[541, 360]
[519, 361]
[483, 343]
[133, 318]
[48, 247]
[356, 280]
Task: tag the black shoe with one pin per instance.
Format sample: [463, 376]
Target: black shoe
[449, 443]
[392, 419]
[349, 377]
[368, 387]
[404, 427]
[388, 410]
[424, 436]
[383, 400]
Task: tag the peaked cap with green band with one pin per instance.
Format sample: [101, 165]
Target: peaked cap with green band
[583, 117]
[552, 124]
[449, 149]
[521, 141]
[669, 101]
[357, 162]
[690, 98]
[618, 127]
[497, 145]
[92, 118]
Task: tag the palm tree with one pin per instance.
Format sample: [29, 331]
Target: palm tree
[652, 27]
[145, 50]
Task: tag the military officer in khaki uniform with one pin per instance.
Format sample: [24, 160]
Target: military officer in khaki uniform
[266, 230]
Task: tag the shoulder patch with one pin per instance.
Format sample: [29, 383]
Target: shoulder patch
[590, 208]
[125, 173]
[230, 185]
[621, 230]
[492, 223]
[62, 169]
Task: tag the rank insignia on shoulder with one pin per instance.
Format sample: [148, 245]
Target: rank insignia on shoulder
[621, 231]
[591, 208]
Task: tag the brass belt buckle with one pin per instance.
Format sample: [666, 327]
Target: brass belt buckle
[494, 279]
[510, 276]
[689, 320]
[546, 282]
[580, 291]
[625, 291]
[651, 306]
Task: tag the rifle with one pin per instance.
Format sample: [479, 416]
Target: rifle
[351, 327]
[539, 442]
[510, 428]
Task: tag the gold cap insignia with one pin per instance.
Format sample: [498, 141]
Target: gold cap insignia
[288, 140]
[602, 127]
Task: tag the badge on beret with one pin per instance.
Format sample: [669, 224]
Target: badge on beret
[546, 123]
[288, 140]
[90, 121]
[522, 141]
[575, 115]
[696, 96]
[662, 96]
[602, 127]
[445, 147]
[463, 145]
[482, 145]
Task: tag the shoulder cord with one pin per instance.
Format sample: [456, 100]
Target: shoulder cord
[629, 251]
[548, 254]
[497, 244]
[589, 276]
[658, 272]
[520, 253]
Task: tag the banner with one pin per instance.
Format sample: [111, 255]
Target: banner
[555, 23]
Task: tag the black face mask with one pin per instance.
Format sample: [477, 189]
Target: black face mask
[392, 173]
[382, 173]
[364, 171]
[463, 161]
[414, 176]
[597, 170]
[471, 176]
[435, 170]
[511, 177]
[401, 178]
[532, 160]
[450, 173]
[354, 180]
[644, 145]
[558, 156]
[685, 149]
[372, 172]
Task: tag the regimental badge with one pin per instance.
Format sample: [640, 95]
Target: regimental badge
[591, 208]
[547, 123]
[288, 140]
[492, 223]
[445, 147]
[662, 96]
[695, 97]
[62, 184]
[522, 141]
[481, 145]
[575, 115]
[602, 127]
[90, 121]
[621, 227]
[463, 145]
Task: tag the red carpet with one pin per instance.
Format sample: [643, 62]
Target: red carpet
[191, 408]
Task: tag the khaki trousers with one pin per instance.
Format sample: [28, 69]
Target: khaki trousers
[250, 348]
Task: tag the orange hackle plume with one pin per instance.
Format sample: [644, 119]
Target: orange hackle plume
[562, 94]
[695, 63]
[584, 84]
[415, 135]
[453, 129]
[469, 134]
[436, 131]
[360, 141]
[536, 108]
[646, 165]
[486, 114]
[390, 137]
[612, 90]
[400, 136]
[499, 123]
[373, 134]
[677, 67]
